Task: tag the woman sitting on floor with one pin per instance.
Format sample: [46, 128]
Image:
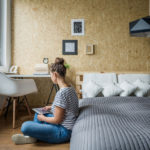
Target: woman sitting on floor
[55, 127]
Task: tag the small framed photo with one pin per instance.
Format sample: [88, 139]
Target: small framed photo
[70, 47]
[77, 27]
[89, 49]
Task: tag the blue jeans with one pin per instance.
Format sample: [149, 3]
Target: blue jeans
[46, 132]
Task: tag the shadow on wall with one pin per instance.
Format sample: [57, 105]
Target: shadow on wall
[2, 98]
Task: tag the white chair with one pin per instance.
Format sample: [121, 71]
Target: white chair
[15, 88]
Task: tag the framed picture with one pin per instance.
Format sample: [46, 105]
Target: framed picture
[70, 47]
[77, 27]
[89, 49]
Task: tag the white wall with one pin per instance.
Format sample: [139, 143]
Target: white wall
[5, 32]
[1, 33]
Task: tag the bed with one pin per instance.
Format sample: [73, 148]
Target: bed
[113, 123]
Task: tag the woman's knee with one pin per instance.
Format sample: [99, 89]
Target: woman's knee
[26, 126]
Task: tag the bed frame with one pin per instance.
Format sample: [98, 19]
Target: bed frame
[79, 79]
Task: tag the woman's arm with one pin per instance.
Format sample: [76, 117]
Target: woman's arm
[58, 116]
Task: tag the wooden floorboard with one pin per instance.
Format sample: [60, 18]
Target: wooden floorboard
[6, 132]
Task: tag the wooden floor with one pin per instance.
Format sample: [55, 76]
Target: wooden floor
[6, 132]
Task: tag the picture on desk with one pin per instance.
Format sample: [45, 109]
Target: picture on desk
[13, 70]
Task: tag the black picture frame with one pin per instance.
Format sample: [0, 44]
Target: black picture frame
[65, 51]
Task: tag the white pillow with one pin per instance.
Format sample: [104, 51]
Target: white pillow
[111, 90]
[127, 87]
[91, 89]
[142, 88]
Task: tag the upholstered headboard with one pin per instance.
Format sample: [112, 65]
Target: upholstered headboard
[101, 77]
[120, 76]
[133, 77]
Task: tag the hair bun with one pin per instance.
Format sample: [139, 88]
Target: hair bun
[59, 61]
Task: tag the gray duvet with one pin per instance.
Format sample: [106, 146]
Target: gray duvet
[112, 123]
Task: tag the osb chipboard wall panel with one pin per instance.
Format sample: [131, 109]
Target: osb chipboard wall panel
[39, 26]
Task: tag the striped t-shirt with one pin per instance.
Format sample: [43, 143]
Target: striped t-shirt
[67, 99]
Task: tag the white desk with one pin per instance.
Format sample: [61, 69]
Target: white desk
[35, 76]
[27, 76]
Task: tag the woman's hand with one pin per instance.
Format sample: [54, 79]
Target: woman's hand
[41, 117]
[47, 108]
[59, 115]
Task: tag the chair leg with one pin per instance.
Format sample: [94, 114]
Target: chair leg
[4, 104]
[14, 111]
[27, 105]
[9, 102]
